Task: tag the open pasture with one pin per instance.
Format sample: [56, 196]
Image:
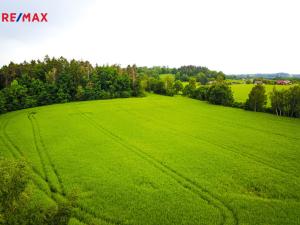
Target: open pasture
[161, 161]
[241, 91]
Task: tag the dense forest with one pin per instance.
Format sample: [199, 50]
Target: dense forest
[53, 80]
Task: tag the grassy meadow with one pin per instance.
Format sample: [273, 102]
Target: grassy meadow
[161, 160]
[241, 91]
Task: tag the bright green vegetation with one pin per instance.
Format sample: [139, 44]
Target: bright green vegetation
[163, 76]
[22, 203]
[235, 81]
[161, 160]
[241, 91]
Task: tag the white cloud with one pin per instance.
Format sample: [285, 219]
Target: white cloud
[236, 36]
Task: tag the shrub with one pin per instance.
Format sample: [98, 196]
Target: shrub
[200, 93]
[178, 86]
[220, 94]
[20, 206]
[240, 105]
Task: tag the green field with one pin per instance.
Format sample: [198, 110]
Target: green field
[241, 91]
[161, 160]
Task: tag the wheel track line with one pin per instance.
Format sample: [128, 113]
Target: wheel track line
[43, 158]
[37, 136]
[41, 148]
[62, 188]
[5, 145]
[80, 213]
[183, 181]
[19, 154]
[236, 151]
[12, 147]
[106, 219]
[227, 214]
[4, 141]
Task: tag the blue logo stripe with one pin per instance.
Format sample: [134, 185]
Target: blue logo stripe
[19, 17]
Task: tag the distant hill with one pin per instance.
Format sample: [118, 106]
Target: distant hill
[270, 75]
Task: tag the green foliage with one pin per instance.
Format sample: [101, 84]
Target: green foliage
[220, 94]
[178, 86]
[294, 101]
[15, 96]
[279, 101]
[169, 85]
[190, 88]
[19, 203]
[163, 85]
[263, 81]
[80, 93]
[286, 102]
[220, 77]
[59, 80]
[62, 96]
[202, 74]
[13, 181]
[2, 103]
[257, 99]
[202, 78]
[201, 93]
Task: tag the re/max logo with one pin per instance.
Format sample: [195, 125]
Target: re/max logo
[24, 17]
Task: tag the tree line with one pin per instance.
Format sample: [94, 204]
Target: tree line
[285, 102]
[57, 80]
[184, 73]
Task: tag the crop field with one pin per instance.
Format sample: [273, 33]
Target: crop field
[241, 91]
[161, 161]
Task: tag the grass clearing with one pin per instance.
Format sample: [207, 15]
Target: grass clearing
[161, 160]
[241, 91]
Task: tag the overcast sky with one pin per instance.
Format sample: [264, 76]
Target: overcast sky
[235, 36]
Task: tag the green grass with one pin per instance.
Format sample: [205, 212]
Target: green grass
[241, 91]
[161, 160]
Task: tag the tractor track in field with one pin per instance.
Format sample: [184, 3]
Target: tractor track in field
[81, 213]
[14, 149]
[230, 149]
[228, 215]
[45, 157]
[38, 140]
[18, 154]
